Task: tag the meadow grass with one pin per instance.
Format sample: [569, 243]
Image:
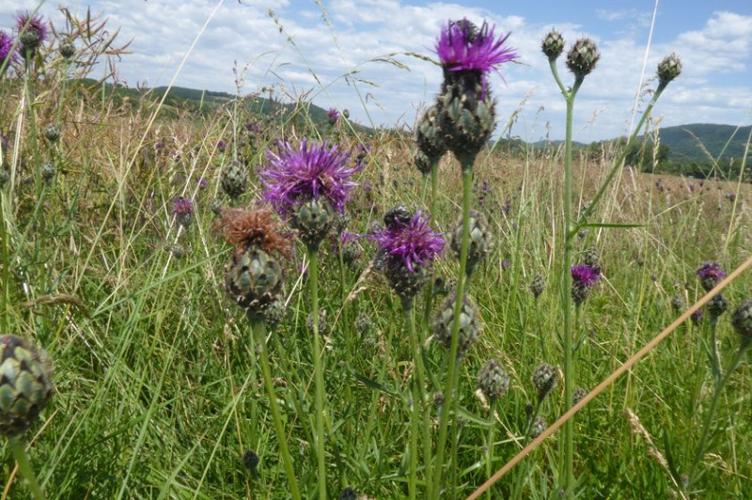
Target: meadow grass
[159, 387]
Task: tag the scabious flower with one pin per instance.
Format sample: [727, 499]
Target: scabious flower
[408, 246]
[332, 115]
[584, 277]
[32, 32]
[6, 48]
[710, 274]
[182, 209]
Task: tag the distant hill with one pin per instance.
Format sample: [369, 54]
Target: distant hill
[686, 142]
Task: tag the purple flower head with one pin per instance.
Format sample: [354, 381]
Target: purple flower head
[182, 206]
[585, 276]
[6, 46]
[32, 24]
[346, 237]
[333, 116]
[710, 273]
[462, 46]
[413, 243]
[202, 183]
[221, 145]
[296, 175]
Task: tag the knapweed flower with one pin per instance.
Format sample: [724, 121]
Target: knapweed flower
[182, 209]
[742, 320]
[202, 183]
[429, 140]
[221, 145]
[584, 277]
[463, 47]
[295, 175]
[544, 379]
[493, 380]
[32, 32]
[470, 326]
[710, 274]
[668, 69]
[332, 115]
[408, 247]
[6, 48]
[466, 114]
[582, 57]
[553, 45]
[480, 240]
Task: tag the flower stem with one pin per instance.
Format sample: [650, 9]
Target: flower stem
[467, 193]
[24, 466]
[431, 210]
[318, 369]
[567, 444]
[259, 330]
[707, 424]
[490, 446]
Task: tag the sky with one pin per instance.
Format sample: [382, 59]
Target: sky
[334, 52]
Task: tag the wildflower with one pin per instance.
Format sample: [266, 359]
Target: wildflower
[582, 57]
[553, 45]
[408, 247]
[544, 379]
[25, 385]
[221, 145]
[6, 48]
[32, 33]
[308, 182]
[493, 381]
[48, 172]
[182, 210]
[202, 183]
[539, 427]
[584, 277]
[466, 114]
[469, 324]
[250, 460]
[742, 320]
[480, 240]
[710, 273]
[579, 393]
[253, 279]
[253, 228]
[717, 306]
[67, 50]
[332, 115]
[668, 69]
[52, 133]
[591, 258]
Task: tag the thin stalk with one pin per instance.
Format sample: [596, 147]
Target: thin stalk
[318, 369]
[431, 210]
[279, 427]
[419, 397]
[702, 444]
[490, 446]
[467, 193]
[24, 466]
[413, 447]
[566, 300]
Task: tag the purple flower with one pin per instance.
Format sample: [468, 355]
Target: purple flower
[252, 128]
[333, 116]
[411, 244]
[585, 276]
[6, 46]
[347, 237]
[202, 183]
[182, 206]
[464, 47]
[710, 273]
[296, 175]
[33, 25]
[221, 145]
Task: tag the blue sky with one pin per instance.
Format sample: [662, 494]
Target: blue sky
[312, 54]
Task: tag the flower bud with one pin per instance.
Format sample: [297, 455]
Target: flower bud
[480, 240]
[553, 44]
[582, 57]
[313, 220]
[234, 179]
[537, 285]
[254, 280]
[742, 320]
[67, 50]
[544, 379]
[493, 381]
[668, 69]
[469, 324]
[52, 133]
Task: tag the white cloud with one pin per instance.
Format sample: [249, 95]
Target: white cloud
[362, 30]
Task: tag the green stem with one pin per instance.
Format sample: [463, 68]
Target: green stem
[279, 428]
[706, 427]
[419, 399]
[467, 193]
[431, 210]
[318, 369]
[566, 302]
[24, 467]
[490, 446]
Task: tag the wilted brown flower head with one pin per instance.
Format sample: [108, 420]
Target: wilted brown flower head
[245, 228]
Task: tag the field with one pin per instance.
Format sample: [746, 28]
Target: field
[159, 387]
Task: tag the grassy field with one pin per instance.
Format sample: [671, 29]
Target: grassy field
[159, 392]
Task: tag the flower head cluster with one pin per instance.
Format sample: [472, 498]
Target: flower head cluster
[585, 275]
[462, 46]
[710, 274]
[310, 171]
[412, 243]
[332, 115]
[6, 48]
[182, 206]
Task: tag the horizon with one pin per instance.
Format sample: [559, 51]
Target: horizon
[302, 50]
